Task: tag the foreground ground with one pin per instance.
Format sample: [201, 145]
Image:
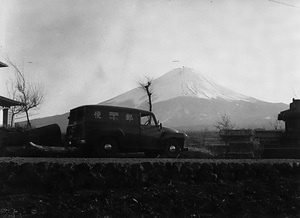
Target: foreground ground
[251, 199]
[139, 187]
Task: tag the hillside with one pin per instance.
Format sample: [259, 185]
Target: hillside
[181, 82]
[186, 98]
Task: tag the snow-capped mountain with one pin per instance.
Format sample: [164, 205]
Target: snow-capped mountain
[186, 98]
[181, 82]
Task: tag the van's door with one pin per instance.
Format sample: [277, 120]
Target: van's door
[150, 132]
[129, 124]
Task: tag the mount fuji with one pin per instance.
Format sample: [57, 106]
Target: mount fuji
[181, 82]
[186, 99]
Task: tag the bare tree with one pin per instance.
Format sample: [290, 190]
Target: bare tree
[276, 124]
[146, 85]
[31, 94]
[224, 123]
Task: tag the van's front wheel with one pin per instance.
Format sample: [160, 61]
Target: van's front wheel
[171, 148]
[107, 147]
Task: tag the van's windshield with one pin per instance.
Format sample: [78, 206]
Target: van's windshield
[148, 119]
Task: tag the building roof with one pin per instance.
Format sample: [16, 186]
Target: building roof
[111, 107]
[6, 102]
[293, 112]
[3, 65]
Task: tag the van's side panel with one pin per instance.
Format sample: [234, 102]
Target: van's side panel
[123, 124]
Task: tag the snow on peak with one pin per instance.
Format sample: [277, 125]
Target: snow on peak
[190, 83]
[181, 82]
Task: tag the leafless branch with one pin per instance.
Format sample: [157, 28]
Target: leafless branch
[31, 94]
[146, 86]
[224, 123]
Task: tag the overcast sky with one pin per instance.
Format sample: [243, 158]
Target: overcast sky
[86, 52]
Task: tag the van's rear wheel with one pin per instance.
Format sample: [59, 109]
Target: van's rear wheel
[107, 147]
[171, 148]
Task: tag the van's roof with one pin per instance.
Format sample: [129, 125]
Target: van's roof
[113, 108]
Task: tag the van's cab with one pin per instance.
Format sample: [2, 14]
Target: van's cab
[106, 130]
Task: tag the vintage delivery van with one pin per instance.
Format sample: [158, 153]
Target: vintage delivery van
[106, 130]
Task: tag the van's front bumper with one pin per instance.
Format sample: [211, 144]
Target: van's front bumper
[186, 144]
[184, 149]
[81, 141]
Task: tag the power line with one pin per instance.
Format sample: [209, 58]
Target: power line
[283, 3]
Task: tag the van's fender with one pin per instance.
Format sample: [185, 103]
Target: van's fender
[178, 136]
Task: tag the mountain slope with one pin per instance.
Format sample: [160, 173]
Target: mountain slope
[191, 112]
[181, 82]
[185, 97]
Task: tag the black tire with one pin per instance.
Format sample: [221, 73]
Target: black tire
[171, 148]
[107, 147]
[151, 153]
